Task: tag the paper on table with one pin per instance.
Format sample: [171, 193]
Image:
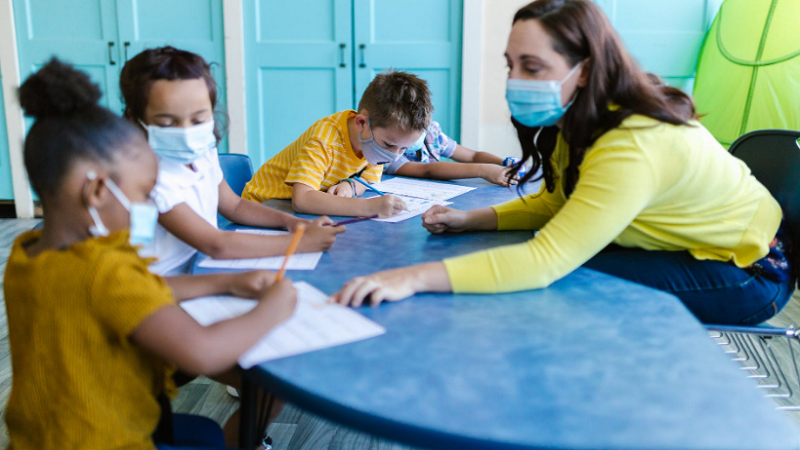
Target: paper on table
[298, 261]
[315, 325]
[415, 206]
[426, 190]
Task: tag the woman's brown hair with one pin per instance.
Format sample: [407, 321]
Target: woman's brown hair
[163, 63]
[580, 31]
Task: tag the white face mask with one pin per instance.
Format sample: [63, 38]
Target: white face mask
[182, 145]
[144, 216]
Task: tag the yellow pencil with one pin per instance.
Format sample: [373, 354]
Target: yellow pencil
[292, 247]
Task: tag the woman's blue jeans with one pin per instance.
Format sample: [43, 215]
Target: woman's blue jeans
[714, 291]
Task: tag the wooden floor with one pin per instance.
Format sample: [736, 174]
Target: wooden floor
[294, 429]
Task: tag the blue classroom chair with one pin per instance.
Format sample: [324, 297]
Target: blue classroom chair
[773, 156]
[237, 170]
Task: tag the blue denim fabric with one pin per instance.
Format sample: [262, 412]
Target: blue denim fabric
[714, 291]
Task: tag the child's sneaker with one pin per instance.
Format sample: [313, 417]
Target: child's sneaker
[233, 392]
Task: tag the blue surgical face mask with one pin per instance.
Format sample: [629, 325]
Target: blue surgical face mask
[182, 145]
[535, 103]
[144, 216]
[419, 144]
[374, 153]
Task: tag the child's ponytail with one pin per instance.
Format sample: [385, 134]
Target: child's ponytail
[69, 125]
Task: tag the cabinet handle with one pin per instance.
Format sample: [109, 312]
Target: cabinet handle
[111, 54]
[363, 63]
[341, 55]
[127, 44]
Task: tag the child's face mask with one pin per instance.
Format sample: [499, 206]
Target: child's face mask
[419, 144]
[182, 145]
[374, 153]
[143, 216]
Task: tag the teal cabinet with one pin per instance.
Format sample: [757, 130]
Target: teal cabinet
[308, 59]
[298, 69]
[418, 36]
[6, 185]
[192, 25]
[664, 36]
[98, 36]
[83, 32]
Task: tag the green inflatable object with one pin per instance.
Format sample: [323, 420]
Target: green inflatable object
[748, 76]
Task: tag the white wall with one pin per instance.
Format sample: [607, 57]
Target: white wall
[497, 135]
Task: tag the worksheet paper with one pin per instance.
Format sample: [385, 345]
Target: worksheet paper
[425, 190]
[298, 261]
[415, 206]
[315, 324]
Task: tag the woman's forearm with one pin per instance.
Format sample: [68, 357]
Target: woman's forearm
[482, 219]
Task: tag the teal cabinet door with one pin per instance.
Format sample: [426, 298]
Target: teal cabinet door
[664, 36]
[82, 32]
[419, 36]
[6, 187]
[192, 25]
[298, 58]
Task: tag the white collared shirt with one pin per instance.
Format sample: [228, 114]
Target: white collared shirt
[199, 190]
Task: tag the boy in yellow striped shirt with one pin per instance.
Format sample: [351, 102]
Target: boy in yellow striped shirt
[316, 170]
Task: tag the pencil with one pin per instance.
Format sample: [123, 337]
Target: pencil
[292, 247]
[356, 220]
[368, 185]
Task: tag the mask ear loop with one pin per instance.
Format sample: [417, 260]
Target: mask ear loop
[98, 228]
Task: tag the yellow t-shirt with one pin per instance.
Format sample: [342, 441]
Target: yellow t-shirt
[644, 184]
[79, 382]
[319, 158]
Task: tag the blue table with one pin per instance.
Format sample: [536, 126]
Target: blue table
[590, 362]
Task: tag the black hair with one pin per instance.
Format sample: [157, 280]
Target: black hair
[165, 63]
[69, 125]
[580, 31]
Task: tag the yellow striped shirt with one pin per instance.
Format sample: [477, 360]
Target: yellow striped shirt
[319, 158]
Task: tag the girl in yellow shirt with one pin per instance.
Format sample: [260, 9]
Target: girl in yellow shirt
[94, 335]
[625, 163]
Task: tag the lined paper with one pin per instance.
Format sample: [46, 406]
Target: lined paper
[315, 324]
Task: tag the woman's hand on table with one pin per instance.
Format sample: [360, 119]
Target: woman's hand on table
[393, 285]
[442, 219]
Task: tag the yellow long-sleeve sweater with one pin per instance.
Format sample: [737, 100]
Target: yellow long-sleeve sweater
[645, 184]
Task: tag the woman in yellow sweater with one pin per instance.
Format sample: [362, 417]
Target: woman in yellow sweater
[624, 163]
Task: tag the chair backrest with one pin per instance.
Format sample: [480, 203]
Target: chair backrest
[237, 170]
[774, 158]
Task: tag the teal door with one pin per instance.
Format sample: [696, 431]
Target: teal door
[665, 36]
[298, 58]
[6, 187]
[419, 36]
[192, 25]
[83, 32]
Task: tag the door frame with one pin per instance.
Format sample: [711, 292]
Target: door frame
[471, 62]
[15, 123]
[233, 30]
